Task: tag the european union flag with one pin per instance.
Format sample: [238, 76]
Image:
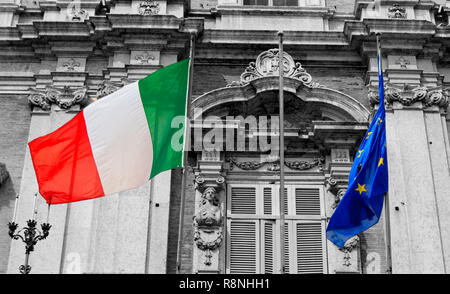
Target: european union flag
[361, 206]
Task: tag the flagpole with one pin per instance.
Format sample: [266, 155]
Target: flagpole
[187, 145]
[386, 199]
[281, 199]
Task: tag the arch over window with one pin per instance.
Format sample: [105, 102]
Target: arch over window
[260, 83]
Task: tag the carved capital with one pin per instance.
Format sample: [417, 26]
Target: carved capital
[408, 95]
[65, 97]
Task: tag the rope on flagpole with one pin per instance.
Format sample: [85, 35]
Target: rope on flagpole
[187, 146]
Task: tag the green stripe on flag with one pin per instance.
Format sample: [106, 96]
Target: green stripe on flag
[163, 95]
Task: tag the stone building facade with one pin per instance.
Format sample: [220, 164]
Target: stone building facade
[56, 57]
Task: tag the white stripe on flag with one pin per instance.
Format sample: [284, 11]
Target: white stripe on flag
[120, 139]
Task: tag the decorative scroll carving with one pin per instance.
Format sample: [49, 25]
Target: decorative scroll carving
[4, 175]
[396, 11]
[267, 64]
[274, 165]
[65, 97]
[407, 95]
[351, 244]
[148, 8]
[105, 88]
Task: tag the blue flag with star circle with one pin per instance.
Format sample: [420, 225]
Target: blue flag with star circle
[360, 208]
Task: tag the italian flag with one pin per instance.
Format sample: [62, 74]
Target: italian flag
[118, 142]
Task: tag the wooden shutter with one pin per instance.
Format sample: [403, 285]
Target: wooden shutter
[243, 200]
[243, 247]
[286, 201]
[268, 247]
[287, 250]
[267, 200]
[310, 255]
[307, 201]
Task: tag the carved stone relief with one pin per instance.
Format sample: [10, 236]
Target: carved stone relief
[105, 88]
[274, 165]
[65, 97]
[76, 13]
[267, 64]
[208, 218]
[148, 8]
[349, 246]
[396, 11]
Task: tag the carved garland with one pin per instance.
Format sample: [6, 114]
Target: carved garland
[275, 165]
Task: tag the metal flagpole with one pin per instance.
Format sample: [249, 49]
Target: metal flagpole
[281, 94]
[187, 145]
[386, 199]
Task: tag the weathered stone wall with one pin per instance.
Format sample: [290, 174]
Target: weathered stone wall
[14, 125]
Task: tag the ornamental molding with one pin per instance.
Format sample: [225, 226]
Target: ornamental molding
[267, 65]
[407, 95]
[274, 165]
[397, 12]
[65, 97]
[148, 8]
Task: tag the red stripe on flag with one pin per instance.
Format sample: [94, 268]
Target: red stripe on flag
[64, 164]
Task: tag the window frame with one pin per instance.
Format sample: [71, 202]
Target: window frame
[291, 220]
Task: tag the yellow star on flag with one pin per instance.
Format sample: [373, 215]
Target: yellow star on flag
[381, 161]
[361, 189]
[379, 121]
[368, 135]
[360, 152]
